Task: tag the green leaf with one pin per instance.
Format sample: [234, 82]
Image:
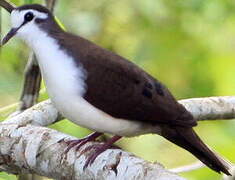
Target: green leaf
[60, 23]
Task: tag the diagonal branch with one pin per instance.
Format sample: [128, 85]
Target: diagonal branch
[51, 4]
[32, 82]
[7, 5]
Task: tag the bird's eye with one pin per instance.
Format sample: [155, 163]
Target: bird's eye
[28, 16]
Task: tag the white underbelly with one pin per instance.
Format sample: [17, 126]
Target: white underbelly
[82, 113]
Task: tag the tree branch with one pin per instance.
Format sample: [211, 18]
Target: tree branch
[50, 4]
[42, 114]
[39, 150]
[211, 108]
[32, 82]
[6, 5]
[190, 167]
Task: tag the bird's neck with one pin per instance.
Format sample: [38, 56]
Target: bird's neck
[59, 70]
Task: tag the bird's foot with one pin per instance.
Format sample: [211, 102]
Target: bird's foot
[80, 142]
[98, 149]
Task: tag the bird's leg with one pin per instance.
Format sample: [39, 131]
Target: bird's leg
[80, 142]
[99, 148]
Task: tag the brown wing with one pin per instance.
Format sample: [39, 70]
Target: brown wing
[122, 89]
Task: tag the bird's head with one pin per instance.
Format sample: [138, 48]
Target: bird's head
[26, 20]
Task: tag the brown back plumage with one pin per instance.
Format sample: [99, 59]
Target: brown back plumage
[122, 89]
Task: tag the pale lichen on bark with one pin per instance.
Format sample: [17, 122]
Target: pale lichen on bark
[42, 114]
[211, 108]
[39, 150]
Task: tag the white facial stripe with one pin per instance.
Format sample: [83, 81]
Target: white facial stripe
[39, 14]
[17, 17]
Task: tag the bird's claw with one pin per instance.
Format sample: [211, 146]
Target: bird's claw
[99, 148]
[73, 143]
[80, 142]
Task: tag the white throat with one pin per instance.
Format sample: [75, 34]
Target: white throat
[61, 74]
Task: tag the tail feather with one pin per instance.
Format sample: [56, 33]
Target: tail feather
[188, 139]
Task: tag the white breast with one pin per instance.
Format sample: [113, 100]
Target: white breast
[65, 82]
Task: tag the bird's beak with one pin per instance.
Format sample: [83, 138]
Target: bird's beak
[9, 35]
[9, 7]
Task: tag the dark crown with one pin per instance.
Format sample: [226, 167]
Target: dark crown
[36, 7]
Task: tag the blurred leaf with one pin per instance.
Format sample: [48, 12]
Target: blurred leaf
[16, 2]
[28, 1]
[60, 23]
[5, 176]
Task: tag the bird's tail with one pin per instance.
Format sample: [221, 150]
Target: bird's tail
[188, 139]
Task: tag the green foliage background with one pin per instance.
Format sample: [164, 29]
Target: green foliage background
[188, 45]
